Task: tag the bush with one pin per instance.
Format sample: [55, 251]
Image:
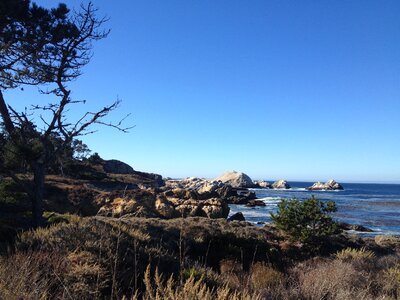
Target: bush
[332, 280]
[265, 277]
[306, 221]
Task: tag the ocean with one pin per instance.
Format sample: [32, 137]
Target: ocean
[376, 206]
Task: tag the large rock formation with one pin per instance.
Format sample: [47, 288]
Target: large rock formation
[202, 189]
[329, 185]
[281, 184]
[171, 204]
[236, 180]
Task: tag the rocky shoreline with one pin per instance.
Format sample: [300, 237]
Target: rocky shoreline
[196, 197]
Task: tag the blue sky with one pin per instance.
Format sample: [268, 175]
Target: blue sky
[300, 90]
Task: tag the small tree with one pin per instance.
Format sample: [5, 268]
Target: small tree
[308, 221]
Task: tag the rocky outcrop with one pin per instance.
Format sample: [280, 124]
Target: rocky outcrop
[281, 184]
[114, 166]
[329, 185]
[202, 189]
[236, 217]
[190, 183]
[210, 187]
[171, 204]
[262, 184]
[236, 180]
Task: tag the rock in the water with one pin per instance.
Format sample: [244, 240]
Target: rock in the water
[281, 184]
[317, 186]
[236, 179]
[253, 203]
[333, 185]
[329, 185]
[262, 184]
[355, 227]
[237, 217]
[114, 166]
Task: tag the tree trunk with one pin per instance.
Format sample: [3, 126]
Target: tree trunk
[37, 199]
[5, 115]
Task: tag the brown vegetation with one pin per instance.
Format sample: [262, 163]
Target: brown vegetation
[139, 258]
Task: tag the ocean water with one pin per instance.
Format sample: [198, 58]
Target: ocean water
[376, 206]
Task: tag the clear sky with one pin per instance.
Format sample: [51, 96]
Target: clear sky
[300, 90]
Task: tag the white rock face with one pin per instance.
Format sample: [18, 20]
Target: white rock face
[280, 184]
[236, 179]
[329, 185]
[210, 186]
[317, 186]
[199, 185]
[333, 185]
[262, 184]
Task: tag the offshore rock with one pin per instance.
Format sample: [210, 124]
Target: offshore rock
[355, 227]
[262, 184]
[330, 185]
[281, 184]
[253, 203]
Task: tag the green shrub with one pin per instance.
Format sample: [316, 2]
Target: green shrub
[8, 194]
[306, 221]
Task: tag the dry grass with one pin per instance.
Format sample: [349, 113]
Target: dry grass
[33, 275]
[191, 289]
[392, 281]
[195, 258]
[354, 254]
[332, 280]
[108, 257]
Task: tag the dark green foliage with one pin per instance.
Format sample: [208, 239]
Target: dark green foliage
[28, 34]
[307, 221]
[95, 159]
